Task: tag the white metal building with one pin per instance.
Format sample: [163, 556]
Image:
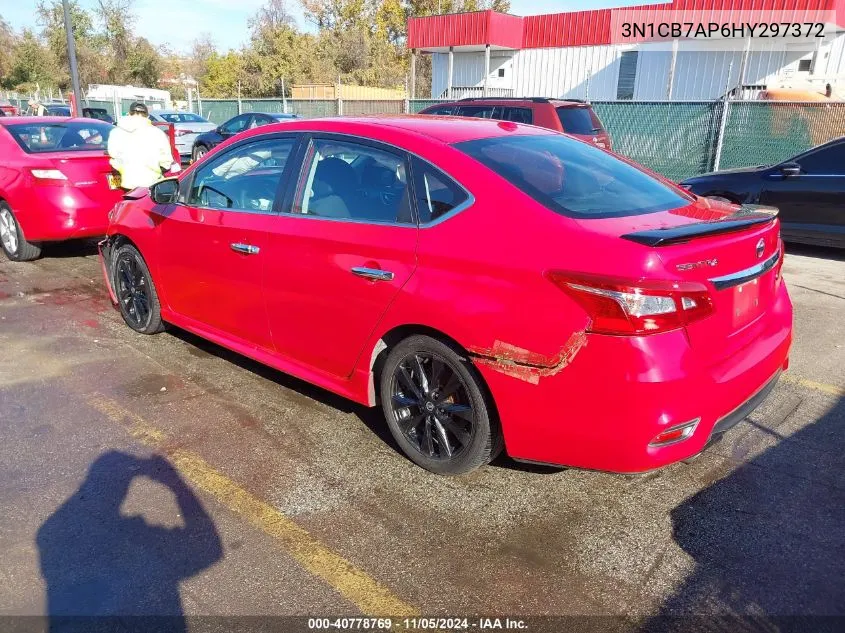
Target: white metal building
[579, 55]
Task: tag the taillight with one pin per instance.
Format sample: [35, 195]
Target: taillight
[48, 175]
[779, 265]
[628, 307]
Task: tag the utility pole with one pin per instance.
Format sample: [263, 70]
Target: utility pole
[71, 56]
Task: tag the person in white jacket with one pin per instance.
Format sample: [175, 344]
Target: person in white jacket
[139, 150]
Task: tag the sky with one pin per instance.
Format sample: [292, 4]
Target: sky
[180, 23]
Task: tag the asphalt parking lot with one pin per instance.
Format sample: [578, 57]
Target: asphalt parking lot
[268, 496]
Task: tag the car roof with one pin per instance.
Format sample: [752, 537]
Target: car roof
[516, 101]
[444, 129]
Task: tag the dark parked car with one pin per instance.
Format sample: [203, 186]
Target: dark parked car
[571, 116]
[101, 114]
[246, 121]
[809, 190]
[56, 109]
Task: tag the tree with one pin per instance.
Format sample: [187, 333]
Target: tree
[143, 64]
[116, 38]
[33, 65]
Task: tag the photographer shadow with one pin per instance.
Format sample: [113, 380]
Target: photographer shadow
[106, 571]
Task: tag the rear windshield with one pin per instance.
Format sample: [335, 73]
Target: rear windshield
[577, 120]
[573, 178]
[180, 117]
[61, 137]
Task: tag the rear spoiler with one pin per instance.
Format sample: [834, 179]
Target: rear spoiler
[748, 215]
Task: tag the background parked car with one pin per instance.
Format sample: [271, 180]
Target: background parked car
[239, 123]
[101, 114]
[56, 182]
[573, 116]
[187, 126]
[57, 109]
[8, 109]
[809, 190]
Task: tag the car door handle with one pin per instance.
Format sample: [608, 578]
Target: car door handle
[376, 274]
[246, 249]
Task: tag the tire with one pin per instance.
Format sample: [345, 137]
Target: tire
[446, 422]
[136, 295]
[15, 245]
[198, 152]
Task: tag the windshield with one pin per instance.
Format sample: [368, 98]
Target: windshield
[180, 117]
[61, 137]
[573, 178]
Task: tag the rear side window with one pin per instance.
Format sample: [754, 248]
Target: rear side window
[573, 178]
[481, 112]
[436, 193]
[500, 113]
[60, 137]
[578, 120]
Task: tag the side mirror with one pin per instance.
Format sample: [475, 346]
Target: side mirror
[165, 191]
[790, 169]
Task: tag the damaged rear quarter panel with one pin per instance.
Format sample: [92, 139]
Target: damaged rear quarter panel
[527, 365]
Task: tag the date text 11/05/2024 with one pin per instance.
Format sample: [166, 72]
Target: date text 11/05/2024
[417, 624]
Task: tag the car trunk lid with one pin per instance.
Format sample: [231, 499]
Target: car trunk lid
[734, 251]
[83, 168]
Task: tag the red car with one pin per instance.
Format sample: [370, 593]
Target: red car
[55, 182]
[570, 116]
[489, 284]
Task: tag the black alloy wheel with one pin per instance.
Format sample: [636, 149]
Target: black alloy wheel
[136, 295]
[436, 407]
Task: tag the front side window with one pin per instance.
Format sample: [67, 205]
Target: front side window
[238, 124]
[436, 193]
[245, 178]
[347, 180]
[60, 137]
[825, 161]
[573, 178]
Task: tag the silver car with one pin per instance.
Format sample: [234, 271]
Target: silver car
[186, 126]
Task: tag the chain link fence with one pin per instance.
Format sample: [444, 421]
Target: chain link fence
[677, 139]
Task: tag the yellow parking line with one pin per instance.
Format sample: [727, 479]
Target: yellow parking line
[361, 589]
[832, 390]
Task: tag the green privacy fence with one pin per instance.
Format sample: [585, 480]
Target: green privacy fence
[677, 139]
[766, 132]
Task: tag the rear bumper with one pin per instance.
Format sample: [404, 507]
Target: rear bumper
[604, 409]
[62, 213]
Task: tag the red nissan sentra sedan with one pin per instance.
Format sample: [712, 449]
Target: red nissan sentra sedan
[489, 284]
[55, 182]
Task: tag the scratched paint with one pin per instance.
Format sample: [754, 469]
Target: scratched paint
[526, 365]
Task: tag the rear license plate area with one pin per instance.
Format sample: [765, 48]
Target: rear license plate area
[746, 302]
